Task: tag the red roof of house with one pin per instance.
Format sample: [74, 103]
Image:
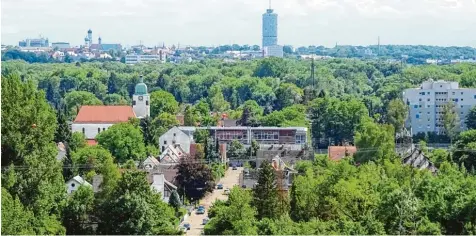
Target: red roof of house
[91, 142]
[104, 114]
[338, 152]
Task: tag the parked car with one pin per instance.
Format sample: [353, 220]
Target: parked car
[205, 221]
[201, 211]
[234, 168]
[243, 186]
[226, 192]
[220, 186]
[187, 226]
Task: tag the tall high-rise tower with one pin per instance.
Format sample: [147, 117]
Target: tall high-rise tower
[90, 36]
[270, 27]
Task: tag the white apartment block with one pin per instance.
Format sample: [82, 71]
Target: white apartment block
[273, 51]
[136, 58]
[426, 105]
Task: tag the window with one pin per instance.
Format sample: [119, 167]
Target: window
[428, 99]
[84, 131]
[72, 185]
[175, 134]
[453, 93]
[133, 103]
[461, 99]
[419, 99]
[428, 93]
[417, 116]
[103, 129]
[461, 113]
[416, 106]
[419, 106]
[147, 102]
[461, 93]
[99, 130]
[165, 142]
[428, 113]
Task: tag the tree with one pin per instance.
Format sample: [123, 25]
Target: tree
[190, 118]
[78, 140]
[199, 151]
[236, 150]
[28, 130]
[163, 123]
[217, 100]
[124, 141]
[89, 159]
[63, 132]
[133, 208]
[471, 119]
[287, 95]
[75, 99]
[174, 201]
[464, 151]
[195, 178]
[450, 120]
[162, 102]
[201, 136]
[115, 99]
[265, 193]
[147, 131]
[77, 212]
[15, 218]
[397, 113]
[374, 141]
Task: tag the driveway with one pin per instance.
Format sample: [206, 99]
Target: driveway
[230, 179]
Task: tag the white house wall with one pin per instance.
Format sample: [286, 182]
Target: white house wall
[175, 136]
[90, 130]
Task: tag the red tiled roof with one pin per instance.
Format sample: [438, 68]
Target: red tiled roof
[104, 114]
[338, 152]
[91, 142]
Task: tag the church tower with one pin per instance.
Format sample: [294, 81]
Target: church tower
[141, 100]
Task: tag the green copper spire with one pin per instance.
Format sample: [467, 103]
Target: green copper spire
[141, 87]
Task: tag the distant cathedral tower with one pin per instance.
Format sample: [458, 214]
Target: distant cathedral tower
[141, 100]
[90, 37]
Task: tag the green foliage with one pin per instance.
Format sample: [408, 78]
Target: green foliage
[236, 150]
[450, 120]
[76, 214]
[132, 208]
[89, 159]
[78, 140]
[63, 131]
[195, 178]
[288, 95]
[162, 101]
[152, 150]
[15, 218]
[115, 99]
[190, 119]
[471, 119]
[294, 115]
[397, 113]
[174, 201]
[201, 136]
[465, 146]
[124, 141]
[162, 123]
[218, 171]
[265, 193]
[374, 142]
[75, 99]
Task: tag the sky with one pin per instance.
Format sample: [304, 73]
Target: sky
[219, 22]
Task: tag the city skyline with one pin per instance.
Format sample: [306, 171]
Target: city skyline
[212, 23]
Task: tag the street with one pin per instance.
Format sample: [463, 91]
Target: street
[230, 179]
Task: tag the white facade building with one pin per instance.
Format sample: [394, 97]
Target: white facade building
[426, 105]
[74, 183]
[273, 51]
[175, 136]
[136, 58]
[141, 100]
[92, 120]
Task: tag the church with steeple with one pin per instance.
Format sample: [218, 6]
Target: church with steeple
[92, 120]
[141, 100]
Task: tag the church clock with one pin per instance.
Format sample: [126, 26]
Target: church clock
[141, 98]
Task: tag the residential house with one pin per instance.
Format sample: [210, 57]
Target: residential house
[289, 153]
[174, 136]
[336, 153]
[418, 160]
[159, 184]
[74, 183]
[172, 154]
[150, 163]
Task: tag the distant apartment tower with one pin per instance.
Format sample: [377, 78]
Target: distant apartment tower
[270, 28]
[426, 105]
[38, 42]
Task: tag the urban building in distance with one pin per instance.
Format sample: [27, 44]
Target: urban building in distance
[426, 105]
[273, 51]
[35, 42]
[137, 58]
[270, 28]
[60, 45]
